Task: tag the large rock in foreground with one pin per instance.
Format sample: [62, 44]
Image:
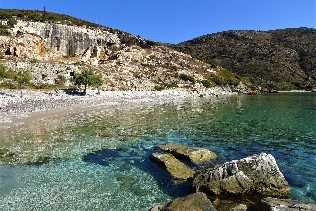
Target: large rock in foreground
[257, 174]
[193, 202]
[174, 167]
[272, 204]
[194, 154]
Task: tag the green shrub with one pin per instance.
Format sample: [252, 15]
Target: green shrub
[225, 77]
[9, 85]
[4, 31]
[3, 71]
[164, 86]
[6, 73]
[34, 61]
[87, 78]
[206, 83]
[23, 78]
[218, 80]
[60, 81]
[285, 86]
[40, 16]
[186, 77]
[12, 22]
[159, 87]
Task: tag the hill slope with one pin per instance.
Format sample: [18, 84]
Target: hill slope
[279, 59]
[53, 46]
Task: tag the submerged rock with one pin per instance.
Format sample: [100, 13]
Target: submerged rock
[232, 204]
[240, 207]
[257, 174]
[192, 202]
[273, 204]
[6, 156]
[40, 160]
[157, 207]
[193, 154]
[173, 166]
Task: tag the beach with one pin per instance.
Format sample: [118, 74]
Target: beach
[15, 109]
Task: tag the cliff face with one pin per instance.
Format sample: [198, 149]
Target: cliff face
[53, 41]
[62, 40]
[52, 49]
[280, 59]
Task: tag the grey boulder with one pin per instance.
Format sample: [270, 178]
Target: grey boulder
[257, 174]
[273, 204]
[192, 202]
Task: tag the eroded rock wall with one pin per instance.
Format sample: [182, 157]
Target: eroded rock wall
[50, 40]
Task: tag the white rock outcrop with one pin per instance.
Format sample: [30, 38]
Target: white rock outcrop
[257, 174]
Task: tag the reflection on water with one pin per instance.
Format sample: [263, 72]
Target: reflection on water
[98, 158]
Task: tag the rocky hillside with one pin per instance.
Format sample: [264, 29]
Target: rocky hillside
[53, 46]
[279, 59]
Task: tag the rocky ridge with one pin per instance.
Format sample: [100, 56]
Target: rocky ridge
[279, 59]
[50, 50]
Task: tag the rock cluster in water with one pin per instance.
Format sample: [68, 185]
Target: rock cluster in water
[193, 154]
[168, 157]
[251, 183]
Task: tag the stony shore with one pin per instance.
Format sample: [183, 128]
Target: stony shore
[12, 104]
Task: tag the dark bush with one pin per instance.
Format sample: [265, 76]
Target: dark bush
[206, 83]
[224, 77]
[186, 77]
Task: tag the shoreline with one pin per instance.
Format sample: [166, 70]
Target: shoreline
[13, 108]
[296, 91]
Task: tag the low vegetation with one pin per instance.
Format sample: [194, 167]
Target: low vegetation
[10, 79]
[42, 16]
[164, 86]
[222, 77]
[7, 73]
[186, 77]
[279, 59]
[14, 80]
[4, 31]
[5, 28]
[87, 78]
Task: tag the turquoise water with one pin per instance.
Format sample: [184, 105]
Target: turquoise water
[98, 160]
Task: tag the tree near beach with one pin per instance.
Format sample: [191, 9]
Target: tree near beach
[23, 78]
[87, 78]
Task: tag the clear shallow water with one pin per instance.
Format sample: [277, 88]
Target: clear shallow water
[100, 157]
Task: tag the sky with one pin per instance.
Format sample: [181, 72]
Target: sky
[175, 21]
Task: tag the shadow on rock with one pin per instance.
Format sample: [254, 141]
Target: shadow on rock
[132, 158]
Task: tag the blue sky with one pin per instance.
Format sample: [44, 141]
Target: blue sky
[178, 20]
